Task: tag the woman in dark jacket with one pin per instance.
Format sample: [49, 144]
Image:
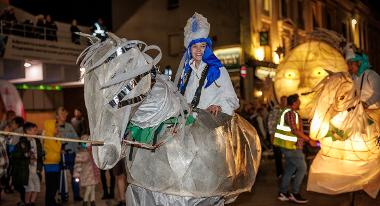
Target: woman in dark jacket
[20, 160]
[40, 158]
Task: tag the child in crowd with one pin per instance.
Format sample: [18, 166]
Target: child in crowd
[20, 160]
[4, 162]
[33, 187]
[86, 172]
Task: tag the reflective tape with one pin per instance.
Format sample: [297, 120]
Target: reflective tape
[283, 128]
[285, 137]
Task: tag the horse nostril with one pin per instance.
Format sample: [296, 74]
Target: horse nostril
[110, 154]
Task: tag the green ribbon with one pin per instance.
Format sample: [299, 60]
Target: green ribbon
[146, 135]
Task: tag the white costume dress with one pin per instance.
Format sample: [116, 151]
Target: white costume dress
[220, 93]
[370, 90]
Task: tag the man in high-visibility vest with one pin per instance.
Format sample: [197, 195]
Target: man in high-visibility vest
[289, 136]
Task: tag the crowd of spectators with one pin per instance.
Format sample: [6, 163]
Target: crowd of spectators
[44, 27]
[26, 162]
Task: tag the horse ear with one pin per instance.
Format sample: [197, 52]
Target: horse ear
[329, 72]
[93, 39]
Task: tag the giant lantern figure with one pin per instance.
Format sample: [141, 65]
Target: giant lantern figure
[304, 67]
[349, 157]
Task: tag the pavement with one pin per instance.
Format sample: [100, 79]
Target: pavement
[264, 193]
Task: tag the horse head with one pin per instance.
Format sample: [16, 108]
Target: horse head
[340, 122]
[118, 75]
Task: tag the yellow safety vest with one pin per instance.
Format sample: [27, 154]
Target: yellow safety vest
[283, 137]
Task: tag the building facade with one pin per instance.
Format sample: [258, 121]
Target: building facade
[40, 62]
[274, 27]
[162, 22]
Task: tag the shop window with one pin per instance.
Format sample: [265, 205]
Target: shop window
[266, 7]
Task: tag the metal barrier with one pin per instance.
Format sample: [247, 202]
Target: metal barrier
[36, 32]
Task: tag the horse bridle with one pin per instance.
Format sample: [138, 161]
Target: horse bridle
[118, 102]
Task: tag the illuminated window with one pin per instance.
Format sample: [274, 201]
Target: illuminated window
[266, 7]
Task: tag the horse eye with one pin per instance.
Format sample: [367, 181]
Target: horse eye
[341, 97]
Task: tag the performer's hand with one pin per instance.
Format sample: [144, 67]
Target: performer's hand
[214, 109]
[314, 143]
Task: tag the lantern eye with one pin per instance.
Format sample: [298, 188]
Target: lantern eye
[319, 72]
[290, 75]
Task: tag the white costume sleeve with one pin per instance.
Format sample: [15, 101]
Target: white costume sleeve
[374, 83]
[227, 98]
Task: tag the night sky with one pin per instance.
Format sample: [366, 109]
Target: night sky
[67, 10]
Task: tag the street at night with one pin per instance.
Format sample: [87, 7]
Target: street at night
[189, 102]
[263, 194]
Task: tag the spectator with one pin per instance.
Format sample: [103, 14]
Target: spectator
[247, 111]
[66, 130]
[119, 172]
[9, 19]
[33, 186]
[20, 160]
[40, 27]
[51, 29]
[28, 28]
[11, 16]
[274, 115]
[289, 136]
[4, 163]
[3, 40]
[51, 163]
[99, 30]
[259, 123]
[111, 193]
[87, 173]
[16, 125]
[9, 115]
[78, 122]
[75, 38]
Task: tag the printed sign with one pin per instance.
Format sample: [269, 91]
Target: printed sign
[43, 50]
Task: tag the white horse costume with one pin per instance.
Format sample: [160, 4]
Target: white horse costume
[208, 162]
[350, 154]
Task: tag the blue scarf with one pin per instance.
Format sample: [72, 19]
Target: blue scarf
[364, 63]
[208, 57]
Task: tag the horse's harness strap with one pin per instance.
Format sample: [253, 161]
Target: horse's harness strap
[130, 101]
[113, 53]
[361, 84]
[126, 90]
[186, 79]
[198, 92]
[117, 99]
